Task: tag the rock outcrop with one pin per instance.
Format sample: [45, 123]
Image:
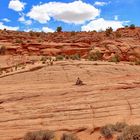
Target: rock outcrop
[125, 43]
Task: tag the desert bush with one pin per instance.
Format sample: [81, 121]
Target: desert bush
[132, 26]
[31, 33]
[99, 55]
[67, 57]
[43, 59]
[59, 57]
[115, 59]
[94, 31]
[69, 137]
[39, 135]
[120, 126]
[108, 31]
[75, 57]
[92, 57]
[107, 131]
[59, 29]
[2, 50]
[30, 136]
[37, 34]
[130, 133]
[95, 56]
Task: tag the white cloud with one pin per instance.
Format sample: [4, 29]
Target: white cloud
[6, 20]
[76, 12]
[46, 29]
[33, 29]
[16, 5]
[116, 17]
[2, 26]
[28, 22]
[99, 3]
[102, 24]
[21, 19]
[24, 21]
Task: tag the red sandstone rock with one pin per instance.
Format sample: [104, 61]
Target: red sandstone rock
[127, 47]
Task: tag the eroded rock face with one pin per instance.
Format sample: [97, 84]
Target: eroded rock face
[126, 46]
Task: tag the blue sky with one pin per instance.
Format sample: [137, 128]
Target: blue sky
[72, 15]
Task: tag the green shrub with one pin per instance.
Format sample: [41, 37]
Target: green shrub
[59, 57]
[132, 26]
[31, 33]
[130, 133]
[67, 57]
[122, 131]
[39, 135]
[120, 126]
[59, 29]
[75, 57]
[37, 34]
[92, 57]
[95, 56]
[109, 31]
[43, 59]
[94, 31]
[69, 137]
[99, 55]
[2, 50]
[115, 59]
[107, 131]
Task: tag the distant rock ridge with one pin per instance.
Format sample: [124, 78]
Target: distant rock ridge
[125, 43]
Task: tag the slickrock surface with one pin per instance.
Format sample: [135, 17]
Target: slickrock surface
[48, 99]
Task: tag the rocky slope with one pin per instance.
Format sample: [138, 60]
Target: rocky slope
[48, 99]
[41, 97]
[125, 43]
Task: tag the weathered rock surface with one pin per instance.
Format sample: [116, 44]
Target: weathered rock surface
[48, 99]
[125, 43]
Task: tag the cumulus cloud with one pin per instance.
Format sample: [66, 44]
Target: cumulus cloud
[76, 12]
[102, 24]
[6, 20]
[16, 5]
[2, 26]
[99, 3]
[47, 30]
[24, 21]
